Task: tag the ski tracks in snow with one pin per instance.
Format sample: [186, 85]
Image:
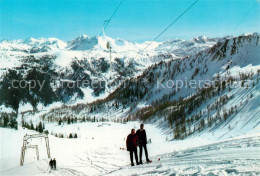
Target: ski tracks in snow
[231, 157]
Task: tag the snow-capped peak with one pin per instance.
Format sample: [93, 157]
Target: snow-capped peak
[54, 42]
[200, 39]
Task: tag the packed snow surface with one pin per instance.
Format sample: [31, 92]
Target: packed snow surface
[97, 151]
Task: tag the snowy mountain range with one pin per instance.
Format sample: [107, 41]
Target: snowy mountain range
[91, 54]
[85, 42]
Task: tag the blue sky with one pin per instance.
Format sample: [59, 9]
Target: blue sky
[135, 20]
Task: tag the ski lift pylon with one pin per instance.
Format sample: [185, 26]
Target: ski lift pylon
[26, 146]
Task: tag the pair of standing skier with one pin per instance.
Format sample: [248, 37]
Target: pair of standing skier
[52, 164]
[137, 139]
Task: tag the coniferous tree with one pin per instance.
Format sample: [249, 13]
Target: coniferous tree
[40, 127]
[13, 123]
[32, 127]
[70, 136]
[60, 121]
[5, 121]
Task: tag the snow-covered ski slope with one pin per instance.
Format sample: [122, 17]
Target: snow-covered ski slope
[222, 150]
[97, 152]
[238, 156]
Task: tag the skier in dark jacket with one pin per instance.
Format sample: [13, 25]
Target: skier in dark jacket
[51, 163]
[54, 163]
[131, 145]
[142, 140]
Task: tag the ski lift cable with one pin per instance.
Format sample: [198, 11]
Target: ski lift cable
[104, 27]
[170, 25]
[107, 23]
[219, 50]
[245, 15]
[174, 21]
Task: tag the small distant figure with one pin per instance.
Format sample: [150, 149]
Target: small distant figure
[142, 139]
[51, 164]
[131, 145]
[54, 164]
